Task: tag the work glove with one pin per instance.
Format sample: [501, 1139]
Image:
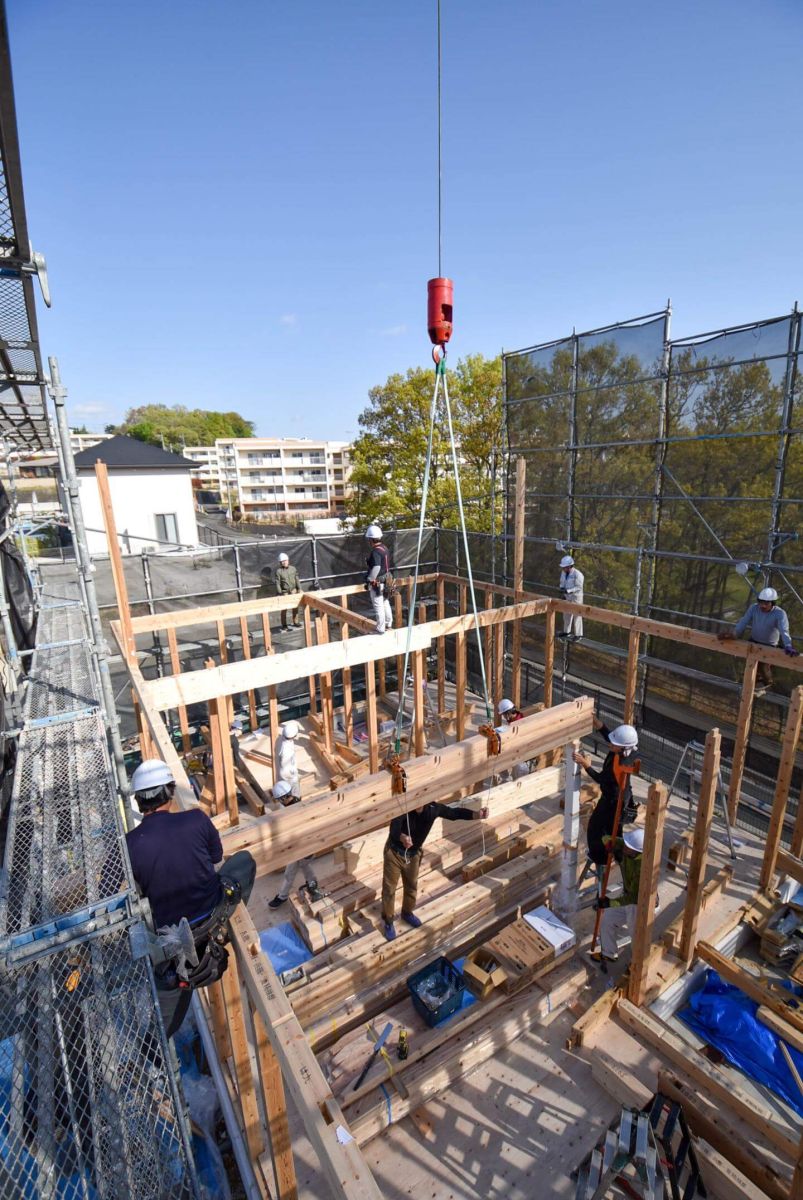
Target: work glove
[790, 650]
[602, 902]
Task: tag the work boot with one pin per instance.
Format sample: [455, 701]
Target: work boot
[562, 636]
[312, 890]
[389, 930]
[296, 624]
[411, 919]
[598, 957]
[277, 901]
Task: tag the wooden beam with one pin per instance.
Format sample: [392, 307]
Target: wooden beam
[209, 614]
[742, 737]
[227, 759]
[631, 675]
[252, 704]
[549, 655]
[679, 633]
[129, 645]
[441, 613]
[790, 864]
[419, 680]
[308, 672]
[785, 768]
[175, 664]
[273, 703]
[346, 1171]
[327, 702]
[242, 1064]
[648, 888]
[706, 1121]
[518, 571]
[368, 804]
[721, 1083]
[348, 700]
[699, 854]
[783, 1029]
[270, 1079]
[371, 718]
[750, 984]
[221, 641]
[339, 612]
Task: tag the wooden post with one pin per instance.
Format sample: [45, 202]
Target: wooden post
[380, 666]
[241, 1057]
[252, 704]
[270, 1077]
[631, 678]
[327, 706]
[499, 668]
[273, 704]
[348, 702]
[220, 1026]
[488, 648]
[221, 641]
[441, 613]
[116, 562]
[742, 736]
[219, 717]
[218, 779]
[549, 656]
[398, 621]
[371, 718]
[786, 766]
[796, 847]
[460, 672]
[313, 702]
[699, 852]
[648, 887]
[175, 664]
[145, 744]
[419, 680]
[518, 573]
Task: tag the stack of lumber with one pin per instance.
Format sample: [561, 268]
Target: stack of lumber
[371, 972]
[522, 952]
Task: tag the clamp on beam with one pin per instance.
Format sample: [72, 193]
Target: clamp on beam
[398, 775]
[494, 739]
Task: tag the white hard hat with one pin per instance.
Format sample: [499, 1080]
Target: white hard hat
[567, 561]
[634, 840]
[506, 706]
[150, 775]
[290, 729]
[624, 736]
[768, 594]
[283, 558]
[281, 788]
[374, 533]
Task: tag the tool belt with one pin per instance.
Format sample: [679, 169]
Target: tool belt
[210, 936]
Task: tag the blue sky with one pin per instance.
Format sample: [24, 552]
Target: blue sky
[237, 199]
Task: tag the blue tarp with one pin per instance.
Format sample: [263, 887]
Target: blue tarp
[726, 1018]
[284, 947]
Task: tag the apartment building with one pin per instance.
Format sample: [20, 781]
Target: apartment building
[85, 441]
[276, 476]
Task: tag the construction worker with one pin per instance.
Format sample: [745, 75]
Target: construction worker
[287, 584]
[378, 579]
[571, 589]
[618, 912]
[510, 715]
[286, 765]
[177, 861]
[402, 858]
[287, 795]
[623, 742]
[769, 625]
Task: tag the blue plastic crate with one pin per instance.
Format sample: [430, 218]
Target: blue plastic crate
[439, 976]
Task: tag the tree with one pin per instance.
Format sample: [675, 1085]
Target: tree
[389, 456]
[182, 426]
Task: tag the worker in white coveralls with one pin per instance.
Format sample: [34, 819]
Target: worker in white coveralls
[378, 579]
[571, 589]
[769, 625]
[288, 794]
[286, 765]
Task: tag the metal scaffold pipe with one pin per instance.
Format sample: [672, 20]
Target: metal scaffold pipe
[58, 394]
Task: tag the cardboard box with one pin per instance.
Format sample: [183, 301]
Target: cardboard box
[558, 934]
[479, 979]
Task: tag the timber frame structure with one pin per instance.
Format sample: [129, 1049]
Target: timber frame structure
[256, 1024]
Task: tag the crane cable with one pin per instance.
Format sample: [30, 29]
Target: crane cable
[441, 384]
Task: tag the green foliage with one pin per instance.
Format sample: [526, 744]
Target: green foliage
[389, 456]
[179, 425]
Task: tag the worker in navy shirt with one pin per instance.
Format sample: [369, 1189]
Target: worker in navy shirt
[174, 855]
[402, 858]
